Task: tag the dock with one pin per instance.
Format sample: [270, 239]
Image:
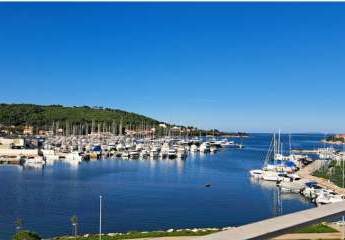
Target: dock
[12, 156]
[304, 151]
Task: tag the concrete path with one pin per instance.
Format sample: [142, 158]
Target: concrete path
[169, 238]
[293, 236]
[272, 227]
[307, 172]
[311, 236]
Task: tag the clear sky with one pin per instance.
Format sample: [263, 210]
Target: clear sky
[232, 66]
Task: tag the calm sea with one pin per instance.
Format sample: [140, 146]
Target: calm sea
[147, 194]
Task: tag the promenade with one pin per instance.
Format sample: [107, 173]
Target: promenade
[306, 173]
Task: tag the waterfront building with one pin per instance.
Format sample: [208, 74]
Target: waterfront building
[28, 130]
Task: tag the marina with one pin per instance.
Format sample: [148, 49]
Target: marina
[293, 173]
[172, 120]
[146, 193]
[76, 148]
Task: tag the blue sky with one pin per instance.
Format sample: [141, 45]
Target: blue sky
[233, 66]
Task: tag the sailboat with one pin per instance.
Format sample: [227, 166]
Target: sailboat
[274, 169]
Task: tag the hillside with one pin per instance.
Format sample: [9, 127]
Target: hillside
[339, 138]
[85, 119]
[44, 117]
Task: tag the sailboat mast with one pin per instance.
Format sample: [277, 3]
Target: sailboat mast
[279, 143]
[290, 143]
[274, 144]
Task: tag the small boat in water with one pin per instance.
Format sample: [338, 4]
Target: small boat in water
[204, 147]
[326, 197]
[73, 157]
[134, 154]
[181, 152]
[125, 154]
[172, 153]
[256, 173]
[194, 148]
[225, 143]
[293, 184]
[213, 149]
[144, 153]
[154, 152]
[34, 162]
[272, 175]
[312, 190]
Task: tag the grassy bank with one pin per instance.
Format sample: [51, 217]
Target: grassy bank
[133, 235]
[332, 172]
[317, 228]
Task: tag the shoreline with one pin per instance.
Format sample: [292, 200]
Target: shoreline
[324, 230]
[187, 232]
[333, 143]
[307, 172]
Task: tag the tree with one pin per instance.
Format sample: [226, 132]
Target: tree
[26, 235]
[19, 224]
[74, 221]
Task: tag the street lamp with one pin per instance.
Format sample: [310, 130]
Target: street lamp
[100, 217]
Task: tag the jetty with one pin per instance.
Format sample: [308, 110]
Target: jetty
[305, 151]
[13, 156]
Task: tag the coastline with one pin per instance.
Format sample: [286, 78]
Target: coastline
[188, 232]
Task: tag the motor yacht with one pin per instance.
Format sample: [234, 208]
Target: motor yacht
[172, 153]
[194, 148]
[256, 173]
[134, 154]
[204, 147]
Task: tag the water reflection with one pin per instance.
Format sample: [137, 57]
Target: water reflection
[180, 165]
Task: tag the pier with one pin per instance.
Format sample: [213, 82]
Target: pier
[13, 156]
[305, 151]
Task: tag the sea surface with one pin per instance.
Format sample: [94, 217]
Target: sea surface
[147, 194]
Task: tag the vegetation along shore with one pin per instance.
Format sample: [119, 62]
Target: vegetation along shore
[321, 228]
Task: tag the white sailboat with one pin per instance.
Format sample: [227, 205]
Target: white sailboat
[272, 169]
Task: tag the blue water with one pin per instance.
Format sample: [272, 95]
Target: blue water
[147, 194]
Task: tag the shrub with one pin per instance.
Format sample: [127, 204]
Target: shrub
[26, 235]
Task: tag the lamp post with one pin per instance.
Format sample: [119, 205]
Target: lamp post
[343, 159]
[100, 217]
[74, 221]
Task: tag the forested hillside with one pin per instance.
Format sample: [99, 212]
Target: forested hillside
[41, 116]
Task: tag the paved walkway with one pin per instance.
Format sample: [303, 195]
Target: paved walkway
[309, 236]
[272, 227]
[307, 172]
[169, 238]
[293, 236]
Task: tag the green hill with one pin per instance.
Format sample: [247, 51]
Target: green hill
[85, 119]
[46, 117]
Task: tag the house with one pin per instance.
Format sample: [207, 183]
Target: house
[340, 136]
[28, 130]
